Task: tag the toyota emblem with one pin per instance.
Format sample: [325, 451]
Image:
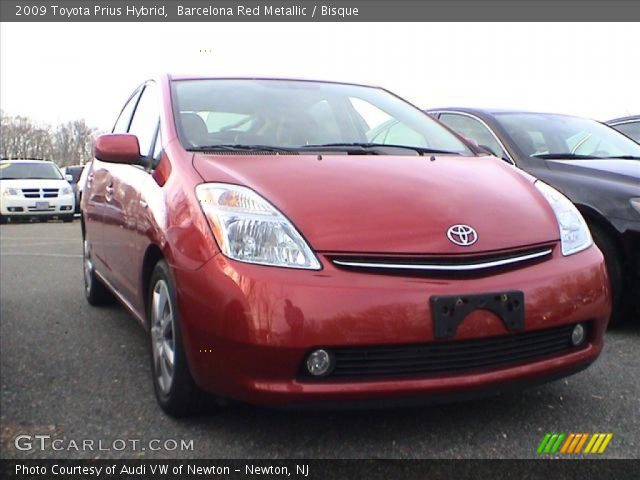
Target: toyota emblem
[462, 235]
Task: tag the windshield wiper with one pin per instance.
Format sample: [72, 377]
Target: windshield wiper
[364, 146]
[626, 157]
[560, 156]
[240, 148]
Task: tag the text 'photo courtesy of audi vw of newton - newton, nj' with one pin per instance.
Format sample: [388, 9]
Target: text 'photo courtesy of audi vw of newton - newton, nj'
[279, 255]
[596, 167]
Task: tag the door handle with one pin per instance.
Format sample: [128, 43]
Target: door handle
[143, 204]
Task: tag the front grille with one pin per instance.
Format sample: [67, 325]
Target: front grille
[40, 192]
[433, 359]
[31, 192]
[444, 265]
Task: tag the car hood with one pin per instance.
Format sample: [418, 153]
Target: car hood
[33, 183]
[611, 168]
[387, 204]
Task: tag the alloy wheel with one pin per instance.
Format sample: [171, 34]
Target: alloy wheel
[162, 336]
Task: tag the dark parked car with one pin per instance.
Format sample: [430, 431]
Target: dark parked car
[277, 256]
[630, 126]
[74, 171]
[591, 163]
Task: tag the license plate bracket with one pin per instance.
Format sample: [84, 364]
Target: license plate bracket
[42, 205]
[448, 311]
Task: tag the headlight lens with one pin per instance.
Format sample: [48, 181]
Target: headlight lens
[11, 192]
[574, 232]
[67, 191]
[249, 229]
[635, 203]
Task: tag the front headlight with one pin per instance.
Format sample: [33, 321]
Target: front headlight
[11, 192]
[635, 203]
[574, 232]
[67, 191]
[249, 229]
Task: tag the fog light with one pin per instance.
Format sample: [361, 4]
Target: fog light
[318, 363]
[578, 335]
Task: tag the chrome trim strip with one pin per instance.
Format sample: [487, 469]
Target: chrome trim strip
[624, 122]
[446, 268]
[478, 119]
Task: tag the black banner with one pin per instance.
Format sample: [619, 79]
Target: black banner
[318, 11]
[320, 469]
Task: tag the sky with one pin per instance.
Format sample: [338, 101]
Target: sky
[57, 72]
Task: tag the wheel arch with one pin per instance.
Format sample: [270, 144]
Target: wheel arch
[152, 256]
[592, 216]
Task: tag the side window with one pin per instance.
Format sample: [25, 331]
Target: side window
[122, 123]
[631, 129]
[146, 117]
[473, 129]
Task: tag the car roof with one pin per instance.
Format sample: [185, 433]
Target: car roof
[630, 118]
[25, 160]
[492, 111]
[179, 77]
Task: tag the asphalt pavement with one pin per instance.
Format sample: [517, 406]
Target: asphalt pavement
[75, 373]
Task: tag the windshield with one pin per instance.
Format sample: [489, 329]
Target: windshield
[550, 135]
[299, 114]
[20, 170]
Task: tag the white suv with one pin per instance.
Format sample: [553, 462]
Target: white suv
[34, 188]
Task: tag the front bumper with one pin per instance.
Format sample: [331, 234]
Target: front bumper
[19, 206]
[248, 328]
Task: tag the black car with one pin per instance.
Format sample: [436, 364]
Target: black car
[630, 126]
[594, 165]
[74, 171]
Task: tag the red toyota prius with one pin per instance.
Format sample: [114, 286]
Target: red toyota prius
[281, 251]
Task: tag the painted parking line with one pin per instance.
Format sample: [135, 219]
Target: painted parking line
[25, 254]
[38, 244]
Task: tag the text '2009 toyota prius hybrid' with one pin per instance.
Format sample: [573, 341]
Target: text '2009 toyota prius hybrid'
[278, 255]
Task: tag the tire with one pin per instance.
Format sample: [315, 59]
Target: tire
[175, 389]
[94, 290]
[3, 219]
[614, 270]
[67, 219]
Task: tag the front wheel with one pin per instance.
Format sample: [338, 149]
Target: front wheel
[614, 271]
[175, 389]
[3, 219]
[67, 219]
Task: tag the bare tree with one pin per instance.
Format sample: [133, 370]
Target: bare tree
[66, 144]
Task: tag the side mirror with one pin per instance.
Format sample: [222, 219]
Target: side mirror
[69, 178]
[117, 148]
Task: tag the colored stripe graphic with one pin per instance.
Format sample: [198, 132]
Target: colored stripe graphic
[573, 443]
[543, 443]
[584, 439]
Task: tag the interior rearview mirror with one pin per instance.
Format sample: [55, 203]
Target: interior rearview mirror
[117, 148]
